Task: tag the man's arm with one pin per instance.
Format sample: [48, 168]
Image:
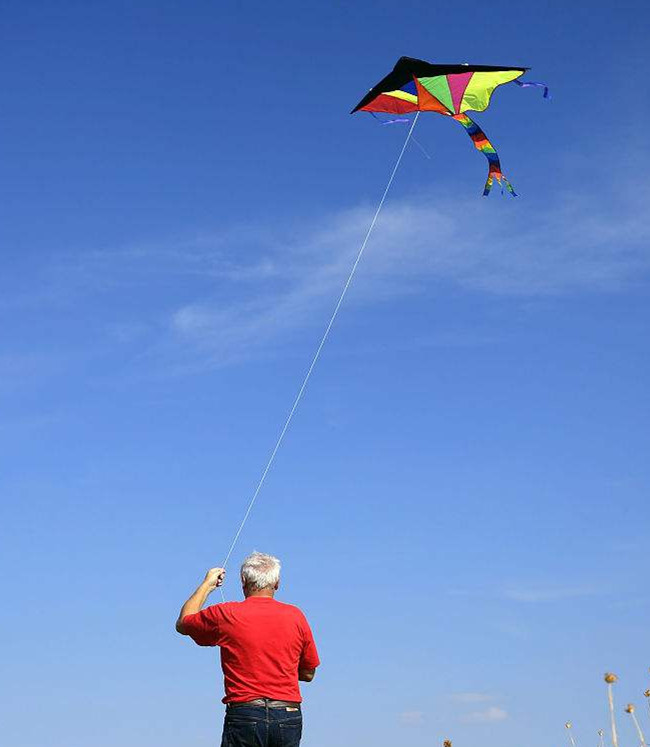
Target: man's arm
[213, 578]
[309, 656]
[306, 675]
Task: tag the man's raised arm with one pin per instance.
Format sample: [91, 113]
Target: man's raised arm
[213, 578]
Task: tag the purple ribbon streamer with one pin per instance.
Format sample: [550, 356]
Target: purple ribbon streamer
[533, 84]
[390, 121]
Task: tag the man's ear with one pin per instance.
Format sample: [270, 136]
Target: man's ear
[277, 586]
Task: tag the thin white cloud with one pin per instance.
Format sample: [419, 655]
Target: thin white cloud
[492, 714]
[574, 247]
[218, 298]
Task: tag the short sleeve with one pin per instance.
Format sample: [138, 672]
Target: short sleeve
[203, 626]
[309, 656]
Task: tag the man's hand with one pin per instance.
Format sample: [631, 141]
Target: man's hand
[306, 675]
[214, 578]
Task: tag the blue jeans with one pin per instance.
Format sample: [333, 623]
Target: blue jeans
[257, 726]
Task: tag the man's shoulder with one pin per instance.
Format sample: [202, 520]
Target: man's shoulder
[288, 607]
[291, 610]
[214, 610]
[279, 608]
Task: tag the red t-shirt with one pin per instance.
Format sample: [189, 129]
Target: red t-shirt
[263, 644]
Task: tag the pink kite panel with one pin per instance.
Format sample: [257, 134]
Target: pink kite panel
[457, 85]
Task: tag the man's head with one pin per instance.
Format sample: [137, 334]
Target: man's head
[260, 575]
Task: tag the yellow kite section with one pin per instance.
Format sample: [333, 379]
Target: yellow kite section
[481, 86]
[402, 95]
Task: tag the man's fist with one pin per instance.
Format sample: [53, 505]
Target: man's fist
[214, 577]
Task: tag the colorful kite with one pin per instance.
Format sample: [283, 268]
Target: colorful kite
[451, 90]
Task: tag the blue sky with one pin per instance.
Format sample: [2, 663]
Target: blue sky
[461, 502]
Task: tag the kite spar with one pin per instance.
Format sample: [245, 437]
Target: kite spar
[319, 349]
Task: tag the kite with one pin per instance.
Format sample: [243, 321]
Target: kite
[450, 90]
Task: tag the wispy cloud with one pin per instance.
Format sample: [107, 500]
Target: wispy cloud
[577, 245]
[216, 298]
[491, 714]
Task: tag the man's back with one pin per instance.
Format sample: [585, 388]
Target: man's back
[264, 643]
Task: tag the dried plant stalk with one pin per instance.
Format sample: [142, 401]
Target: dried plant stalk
[610, 679]
[630, 710]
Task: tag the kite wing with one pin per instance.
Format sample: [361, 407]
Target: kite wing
[451, 90]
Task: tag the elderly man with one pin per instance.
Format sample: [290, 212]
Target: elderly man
[266, 647]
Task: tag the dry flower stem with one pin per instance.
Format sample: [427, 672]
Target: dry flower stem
[610, 697]
[638, 729]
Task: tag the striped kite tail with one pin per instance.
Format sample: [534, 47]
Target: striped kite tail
[487, 149]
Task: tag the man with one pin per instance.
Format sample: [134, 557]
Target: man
[266, 647]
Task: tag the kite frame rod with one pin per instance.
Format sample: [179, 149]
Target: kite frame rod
[323, 340]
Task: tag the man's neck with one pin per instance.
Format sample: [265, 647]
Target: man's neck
[268, 593]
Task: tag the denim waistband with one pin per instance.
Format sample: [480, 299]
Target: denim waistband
[264, 703]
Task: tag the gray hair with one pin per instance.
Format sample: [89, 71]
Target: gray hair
[260, 571]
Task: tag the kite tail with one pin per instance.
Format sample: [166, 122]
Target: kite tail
[487, 149]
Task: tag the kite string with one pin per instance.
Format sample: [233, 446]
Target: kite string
[305, 381]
